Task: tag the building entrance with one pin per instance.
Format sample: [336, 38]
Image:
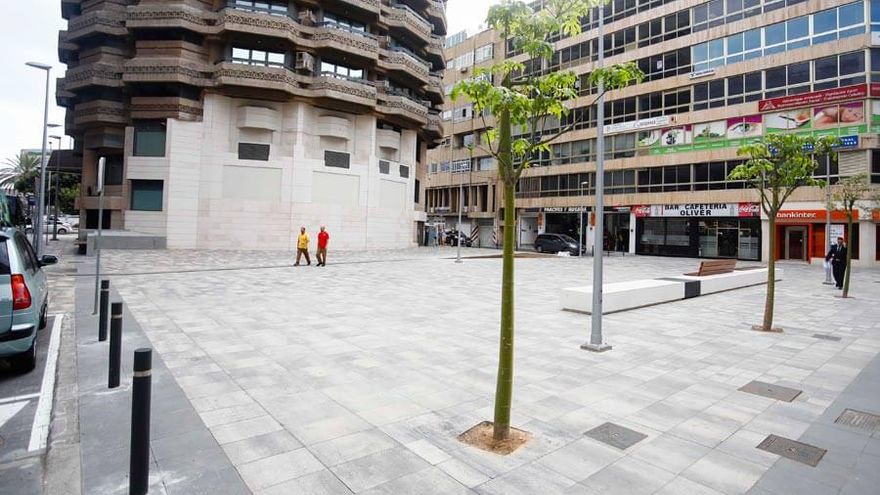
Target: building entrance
[796, 243]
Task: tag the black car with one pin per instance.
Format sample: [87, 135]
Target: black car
[452, 239]
[554, 243]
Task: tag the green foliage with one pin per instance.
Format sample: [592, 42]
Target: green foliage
[778, 164]
[20, 171]
[528, 101]
[66, 198]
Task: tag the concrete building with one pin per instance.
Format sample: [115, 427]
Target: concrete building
[229, 124]
[717, 73]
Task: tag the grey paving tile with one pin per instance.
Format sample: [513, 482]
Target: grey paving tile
[247, 428]
[431, 481]
[670, 453]
[373, 470]
[319, 483]
[350, 447]
[724, 473]
[276, 469]
[260, 446]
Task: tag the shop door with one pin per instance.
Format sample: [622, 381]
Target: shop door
[796, 243]
[728, 242]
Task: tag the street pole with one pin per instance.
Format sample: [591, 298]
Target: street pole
[101, 164]
[57, 185]
[451, 166]
[38, 221]
[828, 240]
[581, 239]
[596, 344]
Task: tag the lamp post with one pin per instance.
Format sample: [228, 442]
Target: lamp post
[38, 222]
[596, 344]
[828, 240]
[581, 238]
[57, 185]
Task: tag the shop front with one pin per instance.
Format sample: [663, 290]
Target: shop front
[566, 220]
[801, 234]
[722, 230]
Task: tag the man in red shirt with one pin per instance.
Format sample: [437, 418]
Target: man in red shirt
[323, 238]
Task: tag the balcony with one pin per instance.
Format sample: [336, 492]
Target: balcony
[401, 60]
[434, 49]
[99, 112]
[165, 107]
[257, 22]
[336, 87]
[403, 17]
[434, 88]
[63, 97]
[371, 6]
[67, 51]
[434, 127]
[97, 74]
[97, 23]
[336, 37]
[167, 70]
[257, 76]
[404, 106]
[437, 15]
[170, 16]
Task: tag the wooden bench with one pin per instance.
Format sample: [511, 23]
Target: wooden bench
[714, 267]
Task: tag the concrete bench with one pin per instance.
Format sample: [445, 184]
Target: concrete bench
[623, 296]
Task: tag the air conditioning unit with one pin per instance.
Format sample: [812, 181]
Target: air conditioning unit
[305, 62]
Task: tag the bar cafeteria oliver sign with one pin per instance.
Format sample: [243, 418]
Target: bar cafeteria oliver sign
[698, 210]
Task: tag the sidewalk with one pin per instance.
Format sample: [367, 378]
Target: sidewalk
[186, 459]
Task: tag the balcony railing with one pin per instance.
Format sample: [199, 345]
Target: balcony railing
[333, 25]
[275, 10]
[419, 17]
[407, 51]
[345, 78]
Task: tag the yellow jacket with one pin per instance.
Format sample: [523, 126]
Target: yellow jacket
[302, 241]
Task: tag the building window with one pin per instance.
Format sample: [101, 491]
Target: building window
[336, 159]
[340, 71]
[246, 56]
[339, 22]
[146, 195]
[384, 167]
[114, 170]
[149, 138]
[416, 191]
[253, 151]
[404, 171]
[875, 166]
[483, 53]
[268, 7]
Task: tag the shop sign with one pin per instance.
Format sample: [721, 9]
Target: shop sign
[838, 231]
[811, 216]
[698, 210]
[638, 124]
[818, 97]
[702, 73]
[565, 209]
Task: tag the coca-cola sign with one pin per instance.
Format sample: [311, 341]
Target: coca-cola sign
[749, 209]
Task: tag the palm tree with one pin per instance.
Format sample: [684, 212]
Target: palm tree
[19, 172]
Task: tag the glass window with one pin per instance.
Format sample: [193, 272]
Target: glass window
[826, 68]
[798, 73]
[775, 77]
[774, 38]
[146, 195]
[735, 85]
[852, 63]
[850, 15]
[149, 139]
[825, 21]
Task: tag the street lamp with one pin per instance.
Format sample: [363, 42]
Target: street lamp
[596, 344]
[38, 222]
[57, 185]
[581, 239]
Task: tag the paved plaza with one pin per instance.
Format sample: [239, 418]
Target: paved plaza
[357, 377]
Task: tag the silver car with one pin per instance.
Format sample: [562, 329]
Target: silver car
[24, 298]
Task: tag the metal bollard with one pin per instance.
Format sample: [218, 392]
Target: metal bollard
[139, 469]
[102, 313]
[115, 344]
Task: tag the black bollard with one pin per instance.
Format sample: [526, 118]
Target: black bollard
[139, 469]
[115, 344]
[102, 312]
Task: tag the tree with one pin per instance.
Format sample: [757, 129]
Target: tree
[777, 165]
[848, 192]
[526, 100]
[20, 171]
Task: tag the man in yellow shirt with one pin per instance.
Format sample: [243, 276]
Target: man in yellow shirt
[302, 246]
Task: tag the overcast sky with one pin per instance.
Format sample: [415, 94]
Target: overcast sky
[29, 32]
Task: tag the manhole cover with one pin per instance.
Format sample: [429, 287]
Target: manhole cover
[792, 449]
[770, 390]
[825, 336]
[616, 435]
[859, 419]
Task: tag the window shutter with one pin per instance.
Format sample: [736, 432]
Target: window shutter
[252, 151]
[384, 166]
[404, 171]
[336, 159]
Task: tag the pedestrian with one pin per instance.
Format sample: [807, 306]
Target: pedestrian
[323, 238]
[837, 256]
[302, 246]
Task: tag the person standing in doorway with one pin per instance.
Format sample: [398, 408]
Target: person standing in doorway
[302, 246]
[837, 256]
[323, 238]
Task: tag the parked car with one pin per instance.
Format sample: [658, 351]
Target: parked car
[554, 243]
[453, 236]
[24, 298]
[63, 227]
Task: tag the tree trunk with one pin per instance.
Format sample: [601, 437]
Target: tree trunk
[767, 325]
[504, 381]
[848, 265]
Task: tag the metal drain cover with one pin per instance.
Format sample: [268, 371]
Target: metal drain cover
[792, 449]
[616, 435]
[770, 390]
[825, 336]
[859, 419]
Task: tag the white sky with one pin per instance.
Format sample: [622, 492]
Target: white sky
[29, 32]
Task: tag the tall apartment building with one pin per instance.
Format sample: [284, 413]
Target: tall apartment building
[231, 123]
[718, 74]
